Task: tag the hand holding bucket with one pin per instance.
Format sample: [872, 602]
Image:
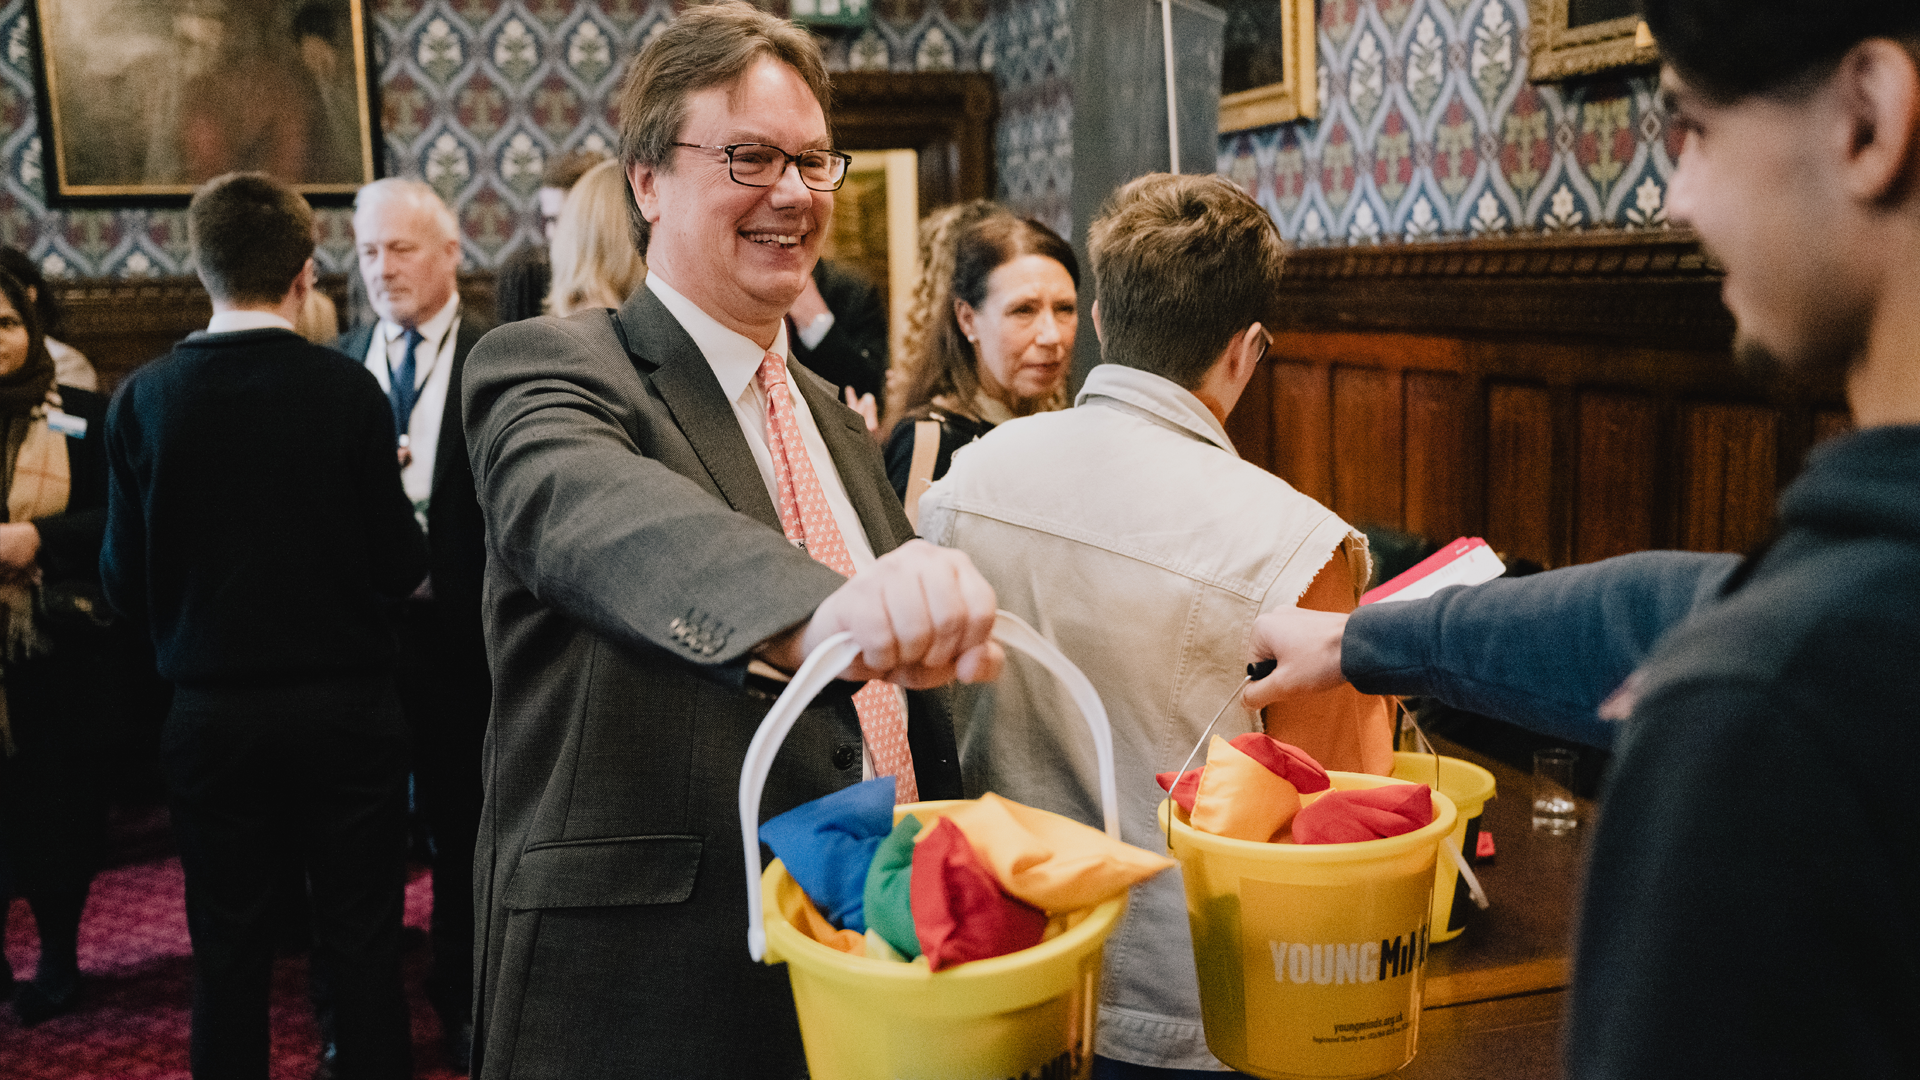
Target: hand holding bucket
[823, 666]
[1027, 1013]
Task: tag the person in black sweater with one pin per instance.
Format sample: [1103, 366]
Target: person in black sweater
[838, 329]
[257, 527]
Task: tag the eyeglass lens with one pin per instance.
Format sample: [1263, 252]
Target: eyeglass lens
[758, 163]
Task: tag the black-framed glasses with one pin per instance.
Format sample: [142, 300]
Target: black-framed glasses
[759, 165]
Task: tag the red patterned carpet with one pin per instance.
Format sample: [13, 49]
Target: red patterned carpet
[132, 1023]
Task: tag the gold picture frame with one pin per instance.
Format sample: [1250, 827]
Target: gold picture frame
[1562, 50]
[141, 101]
[1297, 94]
[876, 227]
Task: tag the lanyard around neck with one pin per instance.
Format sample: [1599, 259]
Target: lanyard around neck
[420, 377]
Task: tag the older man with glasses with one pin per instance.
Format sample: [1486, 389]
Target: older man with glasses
[675, 515]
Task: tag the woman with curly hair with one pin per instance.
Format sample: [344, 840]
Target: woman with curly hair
[997, 341]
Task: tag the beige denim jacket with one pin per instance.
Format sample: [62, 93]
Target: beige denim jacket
[1129, 532]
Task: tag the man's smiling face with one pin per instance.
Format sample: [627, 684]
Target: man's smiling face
[742, 254]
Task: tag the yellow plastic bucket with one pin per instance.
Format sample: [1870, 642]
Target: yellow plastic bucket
[1028, 1015]
[1469, 786]
[1311, 956]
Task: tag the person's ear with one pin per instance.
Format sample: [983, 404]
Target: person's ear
[1879, 87]
[1247, 351]
[303, 283]
[644, 179]
[964, 315]
[1097, 334]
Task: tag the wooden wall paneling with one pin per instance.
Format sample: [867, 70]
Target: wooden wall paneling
[1302, 447]
[1731, 463]
[1250, 424]
[947, 116]
[1444, 471]
[1561, 478]
[1368, 447]
[1604, 411]
[1618, 496]
[1656, 288]
[1520, 466]
[120, 325]
[1394, 352]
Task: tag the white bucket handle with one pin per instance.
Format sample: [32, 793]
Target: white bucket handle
[823, 666]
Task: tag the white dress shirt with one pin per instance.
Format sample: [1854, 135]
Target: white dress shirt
[735, 360]
[432, 371]
[232, 322]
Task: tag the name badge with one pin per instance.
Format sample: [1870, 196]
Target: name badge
[73, 427]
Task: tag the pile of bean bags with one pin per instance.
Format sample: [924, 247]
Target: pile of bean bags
[1258, 788]
[986, 878]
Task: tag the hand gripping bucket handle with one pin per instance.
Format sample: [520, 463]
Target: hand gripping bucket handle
[823, 666]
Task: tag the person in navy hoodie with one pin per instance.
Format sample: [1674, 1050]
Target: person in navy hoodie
[1752, 905]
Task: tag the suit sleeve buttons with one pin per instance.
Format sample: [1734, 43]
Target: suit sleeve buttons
[699, 634]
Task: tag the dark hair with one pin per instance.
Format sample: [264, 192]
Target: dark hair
[315, 20]
[251, 235]
[707, 46]
[566, 170]
[16, 262]
[1180, 265]
[948, 365]
[16, 293]
[1732, 49]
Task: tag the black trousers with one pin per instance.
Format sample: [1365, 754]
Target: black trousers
[445, 694]
[323, 763]
[52, 809]
[52, 814]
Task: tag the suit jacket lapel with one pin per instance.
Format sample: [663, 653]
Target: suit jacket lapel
[355, 343]
[685, 381]
[856, 460]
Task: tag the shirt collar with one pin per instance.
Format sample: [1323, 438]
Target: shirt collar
[227, 322]
[734, 357]
[432, 331]
[1158, 397]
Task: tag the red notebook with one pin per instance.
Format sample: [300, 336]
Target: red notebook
[1466, 561]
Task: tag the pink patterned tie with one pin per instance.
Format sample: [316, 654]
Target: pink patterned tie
[805, 516]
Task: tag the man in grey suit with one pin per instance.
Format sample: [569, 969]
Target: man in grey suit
[641, 473]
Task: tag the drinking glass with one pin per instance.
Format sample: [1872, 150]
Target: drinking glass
[1554, 810]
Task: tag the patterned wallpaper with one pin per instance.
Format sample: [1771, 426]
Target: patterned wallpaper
[477, 95]
[1429, 128]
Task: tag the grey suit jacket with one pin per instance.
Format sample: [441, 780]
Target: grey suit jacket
[634, 561]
